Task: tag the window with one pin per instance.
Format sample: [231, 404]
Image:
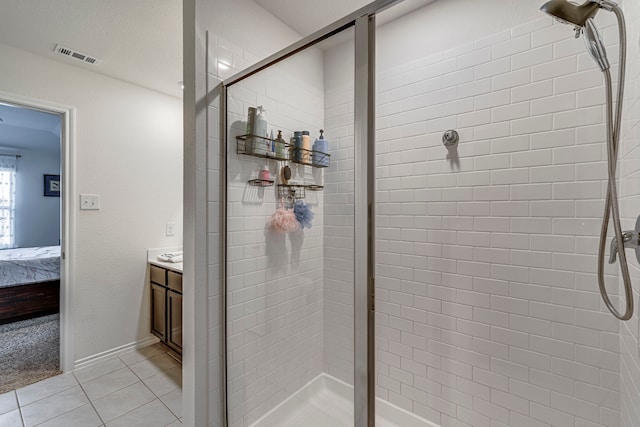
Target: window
[8, 165]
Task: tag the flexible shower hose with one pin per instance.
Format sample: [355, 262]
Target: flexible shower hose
[611, 203]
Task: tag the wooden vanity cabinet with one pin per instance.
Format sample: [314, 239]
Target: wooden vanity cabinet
[166, 306]
[159, 311]
[174, 323]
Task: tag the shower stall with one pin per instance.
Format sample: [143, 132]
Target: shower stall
[431, 284]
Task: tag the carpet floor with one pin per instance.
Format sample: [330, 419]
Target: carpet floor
[29, 351]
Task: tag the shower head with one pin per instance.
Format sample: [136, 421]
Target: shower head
[571, 13]
[581, 16]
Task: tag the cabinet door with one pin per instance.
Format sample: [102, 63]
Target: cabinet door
[174, 281]
[158, 311]
[158, 275]
[174, 339]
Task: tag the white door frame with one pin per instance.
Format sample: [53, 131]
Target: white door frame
[68, 205]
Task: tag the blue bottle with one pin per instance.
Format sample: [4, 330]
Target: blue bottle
[320, 151]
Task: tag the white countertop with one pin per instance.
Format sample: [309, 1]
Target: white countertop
[173, 266]
[152, 258]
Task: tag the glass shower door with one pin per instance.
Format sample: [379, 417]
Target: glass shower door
[289, 232]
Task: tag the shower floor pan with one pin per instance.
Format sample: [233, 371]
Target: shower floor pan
[327, 401]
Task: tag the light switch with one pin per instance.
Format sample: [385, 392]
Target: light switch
[89, 202]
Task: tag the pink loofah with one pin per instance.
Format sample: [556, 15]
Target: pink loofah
[284, 221]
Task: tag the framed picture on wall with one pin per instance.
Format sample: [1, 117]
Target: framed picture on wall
[52, 185]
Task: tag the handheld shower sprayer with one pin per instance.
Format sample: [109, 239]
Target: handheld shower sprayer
[594, 44]
[581, 17]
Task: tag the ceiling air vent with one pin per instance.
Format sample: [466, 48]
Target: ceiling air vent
[62, 50]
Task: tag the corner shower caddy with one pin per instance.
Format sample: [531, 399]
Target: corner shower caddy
[241, 147]
[306, 157]
[261, 182]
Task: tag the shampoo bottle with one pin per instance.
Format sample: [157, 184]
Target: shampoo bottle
[306, 147]
[260, 144]
[265, 174]
[320, 150]
[251, 129]
[280, 147]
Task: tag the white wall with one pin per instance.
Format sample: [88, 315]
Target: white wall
[128, 149]
[37, 217]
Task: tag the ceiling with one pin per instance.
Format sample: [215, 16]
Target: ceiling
[27, 129]
[140, 41]
[307, 16]
[137, 41]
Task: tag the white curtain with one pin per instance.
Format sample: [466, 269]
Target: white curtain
[8, 166]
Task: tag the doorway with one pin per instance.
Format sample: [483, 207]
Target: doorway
[37, 229]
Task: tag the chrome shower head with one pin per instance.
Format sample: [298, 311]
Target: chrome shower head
[581, 16]
[571, 13]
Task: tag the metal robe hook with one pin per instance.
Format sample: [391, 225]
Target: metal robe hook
[450, 138]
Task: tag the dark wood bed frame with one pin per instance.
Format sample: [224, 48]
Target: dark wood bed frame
[27, 301]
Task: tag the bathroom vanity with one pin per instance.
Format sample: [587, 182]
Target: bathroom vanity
[166, 302]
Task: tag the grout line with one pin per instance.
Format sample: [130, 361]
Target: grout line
[15, 390]
[156, 396]
[63, 413]
[172, 413]
[146, 403]
[92, 405]
[48, 396]
[128, 412]
[15, 395]
[115, 391]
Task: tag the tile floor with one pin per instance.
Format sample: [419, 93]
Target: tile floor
[141, 388]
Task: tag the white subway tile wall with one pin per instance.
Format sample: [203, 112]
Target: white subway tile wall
[275, 280]
[487, 306]
[629, 379]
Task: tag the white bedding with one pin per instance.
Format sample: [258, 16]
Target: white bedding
[29, 265]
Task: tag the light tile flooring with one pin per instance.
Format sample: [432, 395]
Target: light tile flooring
[141, 388]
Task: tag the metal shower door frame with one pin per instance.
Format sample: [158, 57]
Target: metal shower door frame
[364, 233]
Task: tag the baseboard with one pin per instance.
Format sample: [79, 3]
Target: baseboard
[384, 410]
[99, 357]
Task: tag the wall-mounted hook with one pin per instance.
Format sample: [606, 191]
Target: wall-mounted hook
[450, 138]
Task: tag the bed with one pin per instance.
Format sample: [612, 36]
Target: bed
[29, 282]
